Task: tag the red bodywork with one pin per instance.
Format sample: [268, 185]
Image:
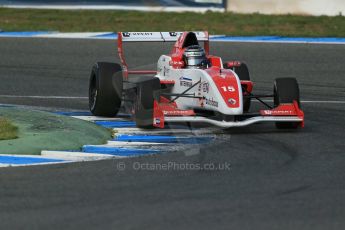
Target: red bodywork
[285, 110]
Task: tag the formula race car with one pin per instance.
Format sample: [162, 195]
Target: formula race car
[189, 85]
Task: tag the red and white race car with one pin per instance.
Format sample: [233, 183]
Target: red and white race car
[189, 85]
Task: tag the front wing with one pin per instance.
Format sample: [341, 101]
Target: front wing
[283, 113]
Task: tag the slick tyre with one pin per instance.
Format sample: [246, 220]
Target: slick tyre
[286, 90]
[105, 89]
[144, 102]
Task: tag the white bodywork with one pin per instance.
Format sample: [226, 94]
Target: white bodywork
[185, 78]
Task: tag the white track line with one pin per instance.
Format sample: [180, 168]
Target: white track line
[311, 101]
[127, 143]
[165, 131]
[42, 97]
[331, 102]
[72, 35]
[118, 7]
[33, 164]
[76, 156]
[97, 118]
[278, 41]
[29, 156]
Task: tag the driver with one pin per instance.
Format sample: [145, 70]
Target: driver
[194, 56]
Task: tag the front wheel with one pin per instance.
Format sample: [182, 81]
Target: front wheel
[286, 90]
[105, 89]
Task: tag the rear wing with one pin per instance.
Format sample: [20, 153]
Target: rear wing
[152, 37]
[158, 36]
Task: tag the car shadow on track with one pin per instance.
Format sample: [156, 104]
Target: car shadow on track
[261, 129]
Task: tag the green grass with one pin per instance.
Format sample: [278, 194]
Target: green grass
[7, 130]
[215, 23]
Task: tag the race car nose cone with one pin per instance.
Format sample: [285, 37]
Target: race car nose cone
[232, 101]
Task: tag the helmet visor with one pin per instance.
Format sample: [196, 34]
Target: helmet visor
[195, 61]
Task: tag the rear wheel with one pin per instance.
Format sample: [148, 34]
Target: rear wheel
[286, 90]
[241, 69]
[105, 89]
[144, 102]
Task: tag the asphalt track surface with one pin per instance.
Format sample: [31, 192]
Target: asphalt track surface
[277, 179]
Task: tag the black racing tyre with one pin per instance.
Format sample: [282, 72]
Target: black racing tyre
[144, 102]
[105, 89]
[286, 90]
[243, 74]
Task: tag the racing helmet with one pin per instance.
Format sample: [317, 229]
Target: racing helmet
[194, 56]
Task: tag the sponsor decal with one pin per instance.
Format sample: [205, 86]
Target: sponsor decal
[127, 34]
[277, 112]
[211, 102]
[206, 87]
[142, 34]
[176, 63]
[177, 112]
[185, 78]
[186, 82]
[157, 121]
[232, 101]
[165, 71]
[194, 54]
[173, 34]
[232, 64]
